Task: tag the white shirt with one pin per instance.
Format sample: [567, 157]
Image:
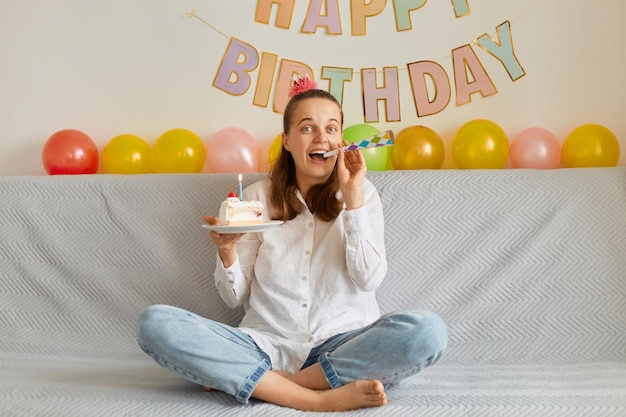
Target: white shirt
[306, 280]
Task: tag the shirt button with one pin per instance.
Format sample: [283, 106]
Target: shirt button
[303, 278]
[304, 305]
[308, 252]
[311, 224]
[310, 339]
[348, 232]
[346, 218]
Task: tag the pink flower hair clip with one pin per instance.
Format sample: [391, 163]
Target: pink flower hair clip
[300, 84]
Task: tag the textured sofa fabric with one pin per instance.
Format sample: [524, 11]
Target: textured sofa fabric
[528, 268]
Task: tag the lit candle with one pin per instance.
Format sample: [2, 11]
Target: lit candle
[240, 188]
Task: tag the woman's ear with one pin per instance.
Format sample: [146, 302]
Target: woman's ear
[285, 142]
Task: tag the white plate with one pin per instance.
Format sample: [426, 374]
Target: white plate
[220, 228]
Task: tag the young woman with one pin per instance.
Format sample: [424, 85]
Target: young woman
[312, 337]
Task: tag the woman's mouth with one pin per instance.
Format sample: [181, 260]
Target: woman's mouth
[317, 155]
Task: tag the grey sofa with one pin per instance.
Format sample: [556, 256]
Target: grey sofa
[527, 267]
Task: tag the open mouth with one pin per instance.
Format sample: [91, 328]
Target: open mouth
[317, 155]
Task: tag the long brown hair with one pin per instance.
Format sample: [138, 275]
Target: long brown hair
[321, 198]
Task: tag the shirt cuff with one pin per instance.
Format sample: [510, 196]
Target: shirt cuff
[228, 276]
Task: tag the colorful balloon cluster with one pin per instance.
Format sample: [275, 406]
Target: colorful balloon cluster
[71, 151]
[482, 144]
[478, 144]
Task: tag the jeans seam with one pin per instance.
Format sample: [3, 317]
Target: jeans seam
[412, 370]
[169, 365]
[217, 331]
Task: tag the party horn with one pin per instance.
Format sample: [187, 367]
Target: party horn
[382, 139]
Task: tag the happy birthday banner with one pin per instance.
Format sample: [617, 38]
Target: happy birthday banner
[241, 59]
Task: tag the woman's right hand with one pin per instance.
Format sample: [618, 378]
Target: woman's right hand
[351, 169]
[226, 243]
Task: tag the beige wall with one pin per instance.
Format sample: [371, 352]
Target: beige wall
[144, 67]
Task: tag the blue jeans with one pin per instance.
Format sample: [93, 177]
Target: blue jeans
[224, 358]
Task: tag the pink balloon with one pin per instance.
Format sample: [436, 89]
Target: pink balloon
[233, 150]
[537, 148]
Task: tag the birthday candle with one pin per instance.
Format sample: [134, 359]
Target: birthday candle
[382, 139]
[240, 188]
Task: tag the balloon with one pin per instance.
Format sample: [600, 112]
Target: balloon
[275, 148]
[376, 159]
[178, 151]
[70, 151]
[417, 147]
[126, 154]
[233, 150]
[480, 144]
[590, 145]
[537, 148]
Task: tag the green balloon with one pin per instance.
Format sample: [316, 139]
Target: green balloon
[376, 159]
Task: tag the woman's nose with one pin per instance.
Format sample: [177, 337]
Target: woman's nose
[320, 137]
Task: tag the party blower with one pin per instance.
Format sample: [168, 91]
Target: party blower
[385, 138]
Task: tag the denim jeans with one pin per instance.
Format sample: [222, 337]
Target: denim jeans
[224, 358]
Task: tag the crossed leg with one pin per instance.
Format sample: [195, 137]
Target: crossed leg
[308, 390]
[412, 341]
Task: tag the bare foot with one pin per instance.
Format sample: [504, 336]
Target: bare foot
[353, 396]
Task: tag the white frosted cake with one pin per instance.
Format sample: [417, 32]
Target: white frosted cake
[234, 212]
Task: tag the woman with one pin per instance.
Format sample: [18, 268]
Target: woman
[312, 337]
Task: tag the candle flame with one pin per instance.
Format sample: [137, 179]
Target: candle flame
[240, 177]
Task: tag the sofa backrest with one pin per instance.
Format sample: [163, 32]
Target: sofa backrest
[525, 266]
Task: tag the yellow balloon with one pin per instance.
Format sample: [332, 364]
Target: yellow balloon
[178, 151]
[590, 145]
[417, 147]
[480, 144]
[126, 154]
[275, 149]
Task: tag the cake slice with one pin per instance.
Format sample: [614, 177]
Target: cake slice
[234, 212]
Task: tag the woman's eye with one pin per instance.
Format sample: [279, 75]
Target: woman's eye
[307, 129]
[332, 129]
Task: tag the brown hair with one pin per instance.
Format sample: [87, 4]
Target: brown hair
[321, 199]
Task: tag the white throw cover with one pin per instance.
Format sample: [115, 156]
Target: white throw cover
[527, 267]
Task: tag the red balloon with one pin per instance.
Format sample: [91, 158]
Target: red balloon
[70, 151]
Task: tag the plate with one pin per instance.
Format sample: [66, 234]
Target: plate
[261, 227]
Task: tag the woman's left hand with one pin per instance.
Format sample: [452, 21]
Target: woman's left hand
[351, 169]
[226, 243]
